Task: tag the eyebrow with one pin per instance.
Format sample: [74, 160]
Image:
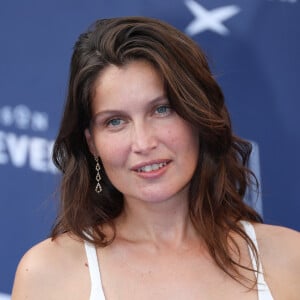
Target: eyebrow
[116, 111]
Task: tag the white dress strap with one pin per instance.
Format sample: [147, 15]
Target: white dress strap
[96, 284]
[264, 292]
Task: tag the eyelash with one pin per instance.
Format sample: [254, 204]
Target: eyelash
[168, 108]
[108, 123]
[167, 111]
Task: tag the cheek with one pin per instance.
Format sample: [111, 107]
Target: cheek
[111, 151]
[183, 137]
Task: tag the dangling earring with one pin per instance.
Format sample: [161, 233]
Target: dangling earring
[98, 188]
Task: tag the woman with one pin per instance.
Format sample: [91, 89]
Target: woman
[153, 182]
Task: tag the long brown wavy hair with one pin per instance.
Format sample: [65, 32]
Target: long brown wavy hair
[221, 178]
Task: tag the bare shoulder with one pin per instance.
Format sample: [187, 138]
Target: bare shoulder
[50, 253]
[278, 240]
[45, 266]
[279, 248]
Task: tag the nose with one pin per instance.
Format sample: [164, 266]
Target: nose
[144, 138]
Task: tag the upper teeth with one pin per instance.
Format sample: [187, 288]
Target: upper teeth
[152, 167]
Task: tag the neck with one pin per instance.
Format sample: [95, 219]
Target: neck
[165, 223]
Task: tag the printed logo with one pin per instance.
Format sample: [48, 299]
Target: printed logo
[22, 117]
[209, 20]
[25, 150]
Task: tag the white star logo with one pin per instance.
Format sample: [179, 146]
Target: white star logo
[209, 20]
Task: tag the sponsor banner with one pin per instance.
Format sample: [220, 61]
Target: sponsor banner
[253, 51]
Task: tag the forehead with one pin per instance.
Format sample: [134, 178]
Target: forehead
[136, 80]
[129, 69]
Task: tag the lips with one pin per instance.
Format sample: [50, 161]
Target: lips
[150, 166]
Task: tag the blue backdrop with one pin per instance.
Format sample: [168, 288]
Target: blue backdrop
[253, 49]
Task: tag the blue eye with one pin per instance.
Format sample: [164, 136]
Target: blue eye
[163, 109]
[115, 122]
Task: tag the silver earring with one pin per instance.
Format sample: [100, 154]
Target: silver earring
[98, 188]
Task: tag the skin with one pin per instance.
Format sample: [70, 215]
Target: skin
[156, 254]
[131, 111]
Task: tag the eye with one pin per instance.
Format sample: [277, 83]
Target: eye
[115, 122]
[163, 110]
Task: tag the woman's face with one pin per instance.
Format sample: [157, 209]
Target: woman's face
[148, 151]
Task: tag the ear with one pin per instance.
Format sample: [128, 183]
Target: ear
[90, 142]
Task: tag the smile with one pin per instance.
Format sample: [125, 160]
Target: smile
[153, 167]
